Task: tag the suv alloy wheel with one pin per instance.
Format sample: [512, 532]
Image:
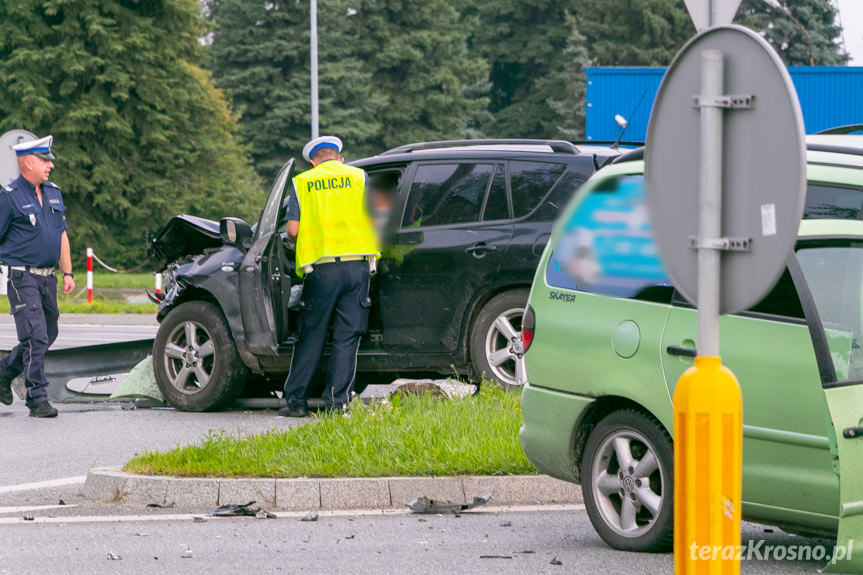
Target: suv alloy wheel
[196, 363]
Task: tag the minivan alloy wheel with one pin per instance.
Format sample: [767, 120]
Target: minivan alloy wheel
[628, 483]
[504, 349]
[189, 357]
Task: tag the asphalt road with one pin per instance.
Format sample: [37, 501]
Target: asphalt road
[99, 435]
[44, 461]
[487, 542]
[78, 330]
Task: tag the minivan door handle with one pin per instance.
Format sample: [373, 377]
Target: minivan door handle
[852, 432]
[479, 250]
[682, 351]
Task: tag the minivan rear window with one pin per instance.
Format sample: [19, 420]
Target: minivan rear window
[607, 247]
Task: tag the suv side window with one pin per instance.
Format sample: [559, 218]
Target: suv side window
[497, 204]
[530, 182]
[607, 248]
[446, 194]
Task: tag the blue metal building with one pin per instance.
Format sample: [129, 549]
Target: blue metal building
[829, 96]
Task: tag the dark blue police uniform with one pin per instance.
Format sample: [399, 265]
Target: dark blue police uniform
[30, 236]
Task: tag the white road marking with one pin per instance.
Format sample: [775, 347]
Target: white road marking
[64, 482]
[282, 515]
[32, 508]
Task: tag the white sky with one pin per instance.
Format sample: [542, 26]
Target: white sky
[851, 12]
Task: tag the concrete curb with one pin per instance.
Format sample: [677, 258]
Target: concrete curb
[110, 484]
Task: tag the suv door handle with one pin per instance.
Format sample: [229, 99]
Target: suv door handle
[852, 432]
[479, 250]
[683, 351]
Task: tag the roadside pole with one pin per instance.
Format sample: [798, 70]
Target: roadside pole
[728, 88]
[89, 275]
[708, 405]
[313, 39]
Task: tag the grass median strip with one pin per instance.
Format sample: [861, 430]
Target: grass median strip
[110, 294]
[410, 435]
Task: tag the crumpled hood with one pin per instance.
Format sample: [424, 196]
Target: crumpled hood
[183, 235]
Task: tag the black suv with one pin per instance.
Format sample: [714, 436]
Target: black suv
[468, 222]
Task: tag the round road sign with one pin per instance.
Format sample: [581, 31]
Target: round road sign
[8, 163]
[763, 167]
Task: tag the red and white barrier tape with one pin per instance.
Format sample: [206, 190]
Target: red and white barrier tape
[89, 275]
[91, 256]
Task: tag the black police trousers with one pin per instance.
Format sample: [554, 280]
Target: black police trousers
[33, 299]
[335, 292]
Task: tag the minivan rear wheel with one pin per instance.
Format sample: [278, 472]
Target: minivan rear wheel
[627, 474]
[195, 360]
[496, 350]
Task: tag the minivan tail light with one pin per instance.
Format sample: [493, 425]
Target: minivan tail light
[528, 325]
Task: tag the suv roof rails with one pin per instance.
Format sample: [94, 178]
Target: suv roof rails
[841, 130]
[561, 146]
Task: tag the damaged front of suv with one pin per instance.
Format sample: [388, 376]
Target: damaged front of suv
[215, 317]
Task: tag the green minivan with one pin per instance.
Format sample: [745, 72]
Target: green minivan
[607, 337]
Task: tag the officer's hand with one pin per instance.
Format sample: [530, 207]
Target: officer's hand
[68, 285]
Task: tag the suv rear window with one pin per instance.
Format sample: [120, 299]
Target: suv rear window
[446, 194]
[530, 182]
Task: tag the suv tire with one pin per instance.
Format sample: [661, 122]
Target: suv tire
[495, 340]
[631, 506]
[211, 357]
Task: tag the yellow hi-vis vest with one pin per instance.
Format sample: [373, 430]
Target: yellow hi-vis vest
[334, 220]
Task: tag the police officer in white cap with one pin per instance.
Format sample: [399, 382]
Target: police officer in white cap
[33, 243]
[336, 246]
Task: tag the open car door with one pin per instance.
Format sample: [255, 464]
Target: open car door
[834, 274]
[264, 284]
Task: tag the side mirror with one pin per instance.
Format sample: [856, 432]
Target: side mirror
[234, 232]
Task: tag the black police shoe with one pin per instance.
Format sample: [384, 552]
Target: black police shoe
[5, 391]
[294, 410]
[43, 410]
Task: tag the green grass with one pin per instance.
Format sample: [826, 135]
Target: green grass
[108, 294]
[110, 280]
[411, 435]
[100, 307]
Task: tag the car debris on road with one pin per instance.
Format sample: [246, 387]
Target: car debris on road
[429, 506]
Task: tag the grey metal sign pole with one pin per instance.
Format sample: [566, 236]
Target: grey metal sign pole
[313, 14]
[710, 214]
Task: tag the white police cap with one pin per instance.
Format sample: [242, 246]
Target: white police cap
[40, 148]
[322, 142]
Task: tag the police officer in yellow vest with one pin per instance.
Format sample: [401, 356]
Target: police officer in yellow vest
[336, 249]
